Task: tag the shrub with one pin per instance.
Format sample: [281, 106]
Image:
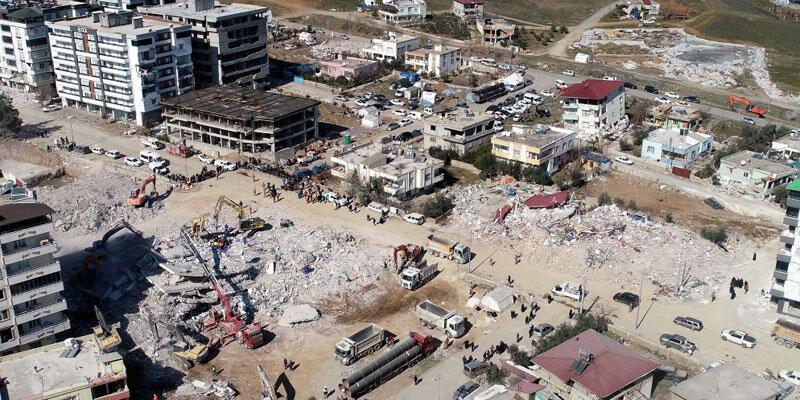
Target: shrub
[537, 175]
[779, 195]
[566, 331]
[624, 145]
[669, 218]
[437, 206]
[633, 206]
[495, 375]
[604, 199]
[716, 235]
[518, 356]
[619, 202]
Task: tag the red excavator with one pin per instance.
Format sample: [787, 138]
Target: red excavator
[761, 112]
[139, 195]
[407, 253]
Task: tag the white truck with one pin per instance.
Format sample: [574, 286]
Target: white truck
[414, 277]
[364, 342]
[434, 317]
[570, 290]
[455, 251]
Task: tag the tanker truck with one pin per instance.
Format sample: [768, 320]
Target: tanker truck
[455, 251]
[403, 355]
[432, 316]
[361, 343]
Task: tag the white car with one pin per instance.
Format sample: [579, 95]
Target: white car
[378, 208]
[739, 337]
[290, 47]
[790, 376]
[548, 93]
[159, 167]
[361, 103]
[561, 84]
[795, 132]
[340, 98]
[672, 95]
[623, 160]
[414, 218]
[748, 121]
[399, 113]
[396, 102]
[662, 100]
[115, 154]
[405, 122]
[226, 165]
[428, 111]
[133, 161]
[130, 132]
[52, 107]
[206, 159]
[98, 150]
[610, 78]
[568, 72]
[400, 92]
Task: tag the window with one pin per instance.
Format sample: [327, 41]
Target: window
[651, 149]
[3, 315]
[2, 294]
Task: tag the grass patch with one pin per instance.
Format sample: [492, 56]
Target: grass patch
[440, 5]
[545, 11]
[330, 23]
[339, 5]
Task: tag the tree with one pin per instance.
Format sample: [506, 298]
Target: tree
[9, 116]
[473, 80]
[638, 111]
[779, 195]
[566, 331]
[604, 199]
[624, 145]
[538, 175]
[437, 206]
[519, 356]
[716, 235]
[669, 219]
[495, 375]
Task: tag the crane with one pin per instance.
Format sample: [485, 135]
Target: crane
[107, 337]
[139, 195]
[267, 390]
[760, 111]
[245, 224]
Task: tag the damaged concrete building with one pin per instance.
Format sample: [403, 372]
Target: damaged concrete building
[229, 119]
[754, 173]
[538, 146]
[460, 133]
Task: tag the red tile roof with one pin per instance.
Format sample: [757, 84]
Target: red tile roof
[526, 387]
[547, 200]
[468, 2]
[646, 2]
[612, 367]
[591, 89]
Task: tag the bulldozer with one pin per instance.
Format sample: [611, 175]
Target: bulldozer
[245, 224]
[185, 350]
[107, 337]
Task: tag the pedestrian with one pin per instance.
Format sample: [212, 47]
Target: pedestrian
[519, 337]
[513, 314]
[530, 331]
[285, 363]
[549, 298]
[213, 370]
[754, 256]
[416, 379]
[571, 314]
[733, 293]
[522, 308]
[325, 392]
[527, 320]
[514, 299]
[713, 296]
[466, 344]
[746, 287]
[463, 360]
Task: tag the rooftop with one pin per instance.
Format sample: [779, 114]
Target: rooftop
[469, 2]
[790, 141]
[726, 382]
[497, 22]
[149, 24]
[755, 161]
[240, 103]
[24, 14]
[18, 212]
[390, 160]
[612, 367]
[672, 137]
[218, 11]
[344, 61]
[591, 89]
[438, 49]
[43, 371]
[539, 136]
[676, 112]
[395, 37]
[459, 121]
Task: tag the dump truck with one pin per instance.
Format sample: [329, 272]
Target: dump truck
[786, 333]
[449, 249]
[362, 343]
[414, 277]
[435, 317]
[402, 356]
[570, 290]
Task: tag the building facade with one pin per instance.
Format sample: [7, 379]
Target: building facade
[403, 11]
[468, 10]
[348, 67]
[391, 47]
[121, 65]
[593, 106]
[536, 146]
[787, 147]
[236, 119]
[674, 116]
[437, 62]
[785, 289]
[675, 147]
[32, 308]
[25, 54]
[754, 173]
[495, 30]
[460, 133]
[229, 41]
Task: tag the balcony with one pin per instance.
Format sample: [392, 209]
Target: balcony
[7, 323]
[43, 332]
[781, 275]
[787, 237]
[38, 292]
[42, 311]
[790, 220]
[46, 246]
[570, 106]
[793, 201]
[777, 290]
[26, 232]
[8, 345]
[569, 116]
[31, 273]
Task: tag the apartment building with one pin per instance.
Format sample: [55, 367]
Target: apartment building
[32, 309]
[243, 120]
[593, 105]
[468, 10]
[459, 133]
[786, 284]
[675, 147]
[437, 62]
[754, 174]
[403, 11]
[391, 47]
[24, 53]
[495, 30]
[229, 41]
[120, 64]
[537, 146]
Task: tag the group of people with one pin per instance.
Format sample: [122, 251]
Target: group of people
[740, 284]
[269, 189]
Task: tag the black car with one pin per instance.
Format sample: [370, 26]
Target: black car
[692, 99]
[462, 105]
[379, 97]
[416, 132]
[413, 105]
[404, 136]
[465, 390]
[81, 149]
[630, 85]
[627, 298]
[650, 89]
[543, 113]
[392, 126]
[493, 108]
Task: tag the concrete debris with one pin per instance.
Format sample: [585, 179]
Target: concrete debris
[196, 388]
[297, 314]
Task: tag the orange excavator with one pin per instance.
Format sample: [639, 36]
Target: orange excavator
[407, 253]
[139, 195]
[760, 111]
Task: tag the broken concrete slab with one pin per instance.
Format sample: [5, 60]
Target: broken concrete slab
[298, 314]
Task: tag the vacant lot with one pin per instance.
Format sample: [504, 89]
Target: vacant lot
[330, 23]
[546, 11]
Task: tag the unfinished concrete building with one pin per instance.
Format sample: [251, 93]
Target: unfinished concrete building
[31, 305]
[229, 119]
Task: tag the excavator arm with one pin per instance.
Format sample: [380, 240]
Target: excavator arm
[224, 200]
[267, 390]
[120, 225]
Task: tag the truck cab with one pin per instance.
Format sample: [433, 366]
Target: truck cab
[456, 326]
[409, 279]
[462, 253]
[344, 352]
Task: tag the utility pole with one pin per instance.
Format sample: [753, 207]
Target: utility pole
[72, 133]
[639, 306]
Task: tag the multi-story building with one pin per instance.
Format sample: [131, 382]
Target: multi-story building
[786, 285]
[253, 122]
[495, 30]
[392, 46]
[403, 171]
[468, 10]
[537, 146]
[675, 147]
[754, 173]
[120, 64]
[24, 53]
[593, 105]
[229, 41]
[403, 11]
[31, 305]
[437, 62]
[787, 147]
[55, 372]
[460, 133]
[674, 115]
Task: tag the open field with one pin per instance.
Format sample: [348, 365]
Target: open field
[545, 11]
[330, 23]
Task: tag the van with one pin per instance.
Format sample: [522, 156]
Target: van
[378, 208]
[148, 156]
[561, 84]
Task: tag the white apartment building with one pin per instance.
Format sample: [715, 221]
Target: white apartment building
[785, 289]
[121, 65]
[229, 41]
[399, 11]
[436, 62]
[468, 10]
[24, 53]
[593, 106]
[392, 46]
[31, 305]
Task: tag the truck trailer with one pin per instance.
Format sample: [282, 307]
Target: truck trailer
[786, 333]
[362, 343]
[449, 249]
[435, 317]
[414, 277]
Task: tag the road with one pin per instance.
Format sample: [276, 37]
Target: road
[559, 48]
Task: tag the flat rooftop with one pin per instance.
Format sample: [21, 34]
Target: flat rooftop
[530, 136]
[239, 103]
[219, 11]
[18, 212]
[755, 161]
[438, 49]
[394, 37]
[390, 160]
[460, 121]
[726, 382]
[672, 137]
[792, 142]
[352, 62]
[676, 112]
[149, 25]
[36, 372]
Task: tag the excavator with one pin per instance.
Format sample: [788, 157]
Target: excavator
[409, 253]
[107, 337]
[183, 349]
[139, 196]
[198, 226]
[96, 251]
[245, 224]
[761, 112]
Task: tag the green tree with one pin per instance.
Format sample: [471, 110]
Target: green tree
[669, 219]
[538, 175]
[495, 375]
[716, 235]
[519, 356]
[437, 206]
[9, 116]
[604, 199]
[566, 331]
[624, 145]
[779, 195]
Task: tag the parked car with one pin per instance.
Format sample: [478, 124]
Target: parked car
[623, 160]
[739, 337]
[465, 390]
[159, 167]
[692, 99]
[748, 121]
[396, 102]
[627, 298]
[630, 85]
[650, 89]
[392, 126]
[206, 159]
[81, 149]
[225, 164]
[98, 150]
[378, 207]
[548, 93]
[542, 330]
[340, 98]
[789, 375]
[361, 103]
[115, 154]
[414, 218]
[568, 72]
[561, 84]
[399, 113]
[689, 322]
[133, 161]
[400, 92]
[289, 47]
[405, 122]
[610, 78]
[51, 108]
[672, 95]
[663, 100]
[678, 342]
[343, 37]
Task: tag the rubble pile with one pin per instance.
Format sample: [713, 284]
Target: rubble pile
[95, 201]
[332, 45]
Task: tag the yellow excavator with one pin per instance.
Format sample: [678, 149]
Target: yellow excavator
[198, 226]
[245, 224]
[183, 349]
[107, 337]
